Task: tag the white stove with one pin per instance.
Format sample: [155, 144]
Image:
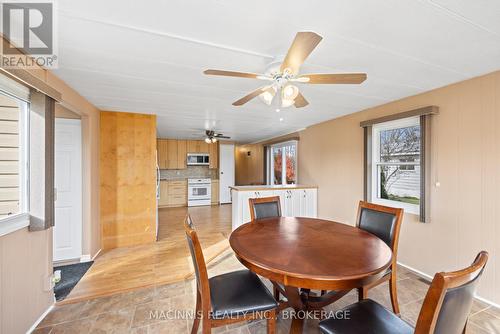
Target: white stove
[199, 192]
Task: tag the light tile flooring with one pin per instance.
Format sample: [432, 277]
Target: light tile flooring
[131, 312]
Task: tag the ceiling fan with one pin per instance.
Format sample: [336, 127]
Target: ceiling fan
[283, 79]
[212, 136]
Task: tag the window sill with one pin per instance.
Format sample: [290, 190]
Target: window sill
[407, 207]
[14, 223]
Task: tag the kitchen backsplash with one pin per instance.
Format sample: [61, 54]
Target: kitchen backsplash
[189, 172]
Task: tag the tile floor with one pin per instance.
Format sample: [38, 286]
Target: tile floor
[131, 312]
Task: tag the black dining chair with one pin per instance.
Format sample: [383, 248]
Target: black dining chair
[385, 223]
[264, 207]
[445, 309]
[228, 298]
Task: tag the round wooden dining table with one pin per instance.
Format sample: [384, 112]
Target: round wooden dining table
[299, 254]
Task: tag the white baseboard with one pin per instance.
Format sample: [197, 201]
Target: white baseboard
[429, 278]
[37, 322]
[87, 258]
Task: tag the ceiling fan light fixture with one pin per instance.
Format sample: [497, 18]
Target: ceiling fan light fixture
[268, 96]
[290, 92]
[213, 140]
[207, 140]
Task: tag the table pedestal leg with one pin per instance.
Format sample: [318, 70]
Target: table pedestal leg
[295, 301]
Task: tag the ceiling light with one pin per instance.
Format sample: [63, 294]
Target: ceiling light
[281, 119]
[214, 140]
[268, 95]
[207, 140]
[290, 92]
[278, 110]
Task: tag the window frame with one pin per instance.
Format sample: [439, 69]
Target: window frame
[270, 162]
[20, 219]
[375, 162]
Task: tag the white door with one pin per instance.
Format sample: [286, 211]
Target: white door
[68, 183]
[226, 172]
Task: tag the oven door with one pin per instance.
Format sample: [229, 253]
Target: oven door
[199, 191]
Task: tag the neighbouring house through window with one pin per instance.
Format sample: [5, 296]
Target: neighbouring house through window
[282, 163]
[13, 157]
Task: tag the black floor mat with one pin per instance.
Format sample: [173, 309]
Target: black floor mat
[70, 275]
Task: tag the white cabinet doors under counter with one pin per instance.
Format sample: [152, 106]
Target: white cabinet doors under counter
[300, 202]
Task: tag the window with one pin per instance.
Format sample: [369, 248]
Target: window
[396, 164]
[282, 163]
[13, 162]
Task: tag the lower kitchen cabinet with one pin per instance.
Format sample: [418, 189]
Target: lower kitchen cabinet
[173, 193]
[297, 202]
[215, 192]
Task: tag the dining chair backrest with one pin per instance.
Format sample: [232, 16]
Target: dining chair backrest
[383, 221]
[448, 302]
[200, 268]
[264, 207]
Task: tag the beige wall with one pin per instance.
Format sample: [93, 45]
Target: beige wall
[466, 161]
[128, 179]
[62, 112]
[26, 257]
[249, 169]
[25, 264]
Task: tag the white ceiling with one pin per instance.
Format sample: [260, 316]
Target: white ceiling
[148, 56]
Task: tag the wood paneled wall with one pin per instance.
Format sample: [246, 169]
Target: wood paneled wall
[128, 179]
[249, 169]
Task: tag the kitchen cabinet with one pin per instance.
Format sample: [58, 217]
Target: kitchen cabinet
[197, 146]
[213, 150]
[173, 193]
[192, 146]
[181, 154]
[171, 154]
[163, 200]
[215, 192]
[162, 153]
[295, 201]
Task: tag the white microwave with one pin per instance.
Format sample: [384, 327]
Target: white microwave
[198, 159]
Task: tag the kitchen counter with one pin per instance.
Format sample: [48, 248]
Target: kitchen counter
[296, 200]
[273, 187]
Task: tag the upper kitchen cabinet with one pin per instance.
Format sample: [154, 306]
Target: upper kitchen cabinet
[162, 153]
[213, 150]
[171, 153]
[181, 154]
[197, 146]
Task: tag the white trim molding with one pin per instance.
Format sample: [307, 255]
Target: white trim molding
[14, 223]
[39, 320]
[429, 278]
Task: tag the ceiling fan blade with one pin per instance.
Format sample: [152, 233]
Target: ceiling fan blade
[221, 136]
[302, 46]
[341, 78]
[250, 96]
[236, 74]
[300, 101]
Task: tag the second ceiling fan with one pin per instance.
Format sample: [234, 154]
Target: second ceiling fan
[282, 80]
